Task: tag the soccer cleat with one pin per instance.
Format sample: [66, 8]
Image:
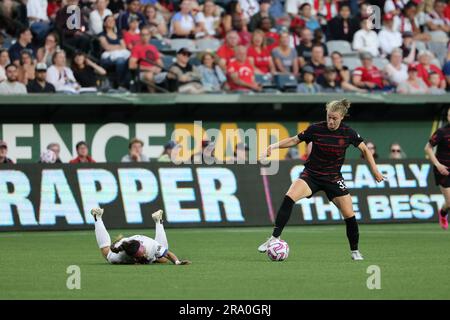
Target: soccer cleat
[356, 255]
[97, 213]
[443, 220]
[263, 248]
[157, 216]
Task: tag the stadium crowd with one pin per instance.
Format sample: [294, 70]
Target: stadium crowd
[194, 46]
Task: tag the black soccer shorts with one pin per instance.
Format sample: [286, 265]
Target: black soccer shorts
[332, 187]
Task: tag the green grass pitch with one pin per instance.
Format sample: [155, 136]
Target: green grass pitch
[414, 260]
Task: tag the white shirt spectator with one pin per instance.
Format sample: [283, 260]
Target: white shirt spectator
[391, 5]
[366, 41]
[186, 22]
[2, 74]
[96, 21]
[292, 6]
[16, 87]
[208, 21]
[436, 19]
[396, 76]
[37, 9]
[62, 81]
[389, 39]
[249, 8]
[402, 24]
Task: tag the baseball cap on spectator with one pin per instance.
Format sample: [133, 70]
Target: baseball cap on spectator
[265, 1]
[388, 16]
[41, 67]
[308, 69]
[133, 17]
[3, 144]
[184, 51]
[365, 56]
[170, 145]
[407, 34]
[330, 69]
[412, 67]
[131, 1]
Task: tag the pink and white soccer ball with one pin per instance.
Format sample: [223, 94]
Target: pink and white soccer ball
[278, 250]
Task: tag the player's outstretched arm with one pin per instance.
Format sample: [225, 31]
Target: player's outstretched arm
[371, 161]
[285, 143]
[439, 166]
[173, 258]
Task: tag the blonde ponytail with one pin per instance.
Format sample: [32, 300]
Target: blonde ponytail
[340, 106]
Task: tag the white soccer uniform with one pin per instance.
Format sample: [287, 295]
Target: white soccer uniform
[152, 250]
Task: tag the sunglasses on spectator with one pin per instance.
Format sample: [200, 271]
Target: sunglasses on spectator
[396, 150]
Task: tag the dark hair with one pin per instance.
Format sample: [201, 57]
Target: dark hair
[79, 144]
[10, 65]
[231, 7]
[304, 5]
[23, 30]
[135, 140]
[74, 65]
[336, 52]
[130, 247]
[55, 54]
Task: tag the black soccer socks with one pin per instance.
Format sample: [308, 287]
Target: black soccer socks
[444, 212]
[352, 232]
[284, 213]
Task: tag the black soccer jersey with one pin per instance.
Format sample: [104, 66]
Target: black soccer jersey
[441, 139]
[328, 148]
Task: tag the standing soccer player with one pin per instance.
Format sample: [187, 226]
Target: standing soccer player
[441, 162]
[330, 140]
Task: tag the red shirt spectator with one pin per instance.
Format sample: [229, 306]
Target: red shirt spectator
[225, 52]
[261, 59]
[423, 72]
[373, 75]
[78, 159]
[145, 54]
[82, 154]
[245, 72]
[131, 39]
[273, 40]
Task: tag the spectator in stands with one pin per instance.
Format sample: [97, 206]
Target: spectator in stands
[366, 40]
[409, 47]
[396, 71]
[131, 37]
[207, 21]
[86, 71]
[233, 12]
[446, 70]
[241, 153]
[11, 85]
[135, 152]
[436, 21]
[414, 84]
[97, 16]
[388, 37]
[156, 20]
[26, 67]
[4, 61]
[60, 76]
[317, 60]
[394, 7]
[147, 58]
[343, 26]
[53, 7]
[133, 10]
[249, 8]
[22, 43]
[47, 156]
[56, 148]
[368, 76]
[435, 81]
[73, 38]
[82, 154]
[182, 76]
[292, 6]
[425, 67]
[304, 50]
[264, 12]
[396, 152]
[182, 24]
[4, 153]
[277, 10]
[259, 55]
[40, 84]
[207, 154]
[309, 84]
[38, 19]
[240, 72]
[408, 22]
[308, 18]
[170, 151]
[319, 39]
[343, 73]
[115, 52]
[212, 76]
[226, 50]
[272, 37]
[45, 53]
[329, 82]
[372, 148]
[284, 57]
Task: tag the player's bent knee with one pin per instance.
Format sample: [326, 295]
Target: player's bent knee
[299, 189]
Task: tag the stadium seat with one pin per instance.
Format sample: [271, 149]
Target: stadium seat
[195, 61]
[210, 45]
[265, 81]
[177, 44]
[341, 46]
[286, 82]
[439, 50]
[167, 61]
[328, 61]
[351, 62]
[161, 45]
[420, 45]
[380, 63]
